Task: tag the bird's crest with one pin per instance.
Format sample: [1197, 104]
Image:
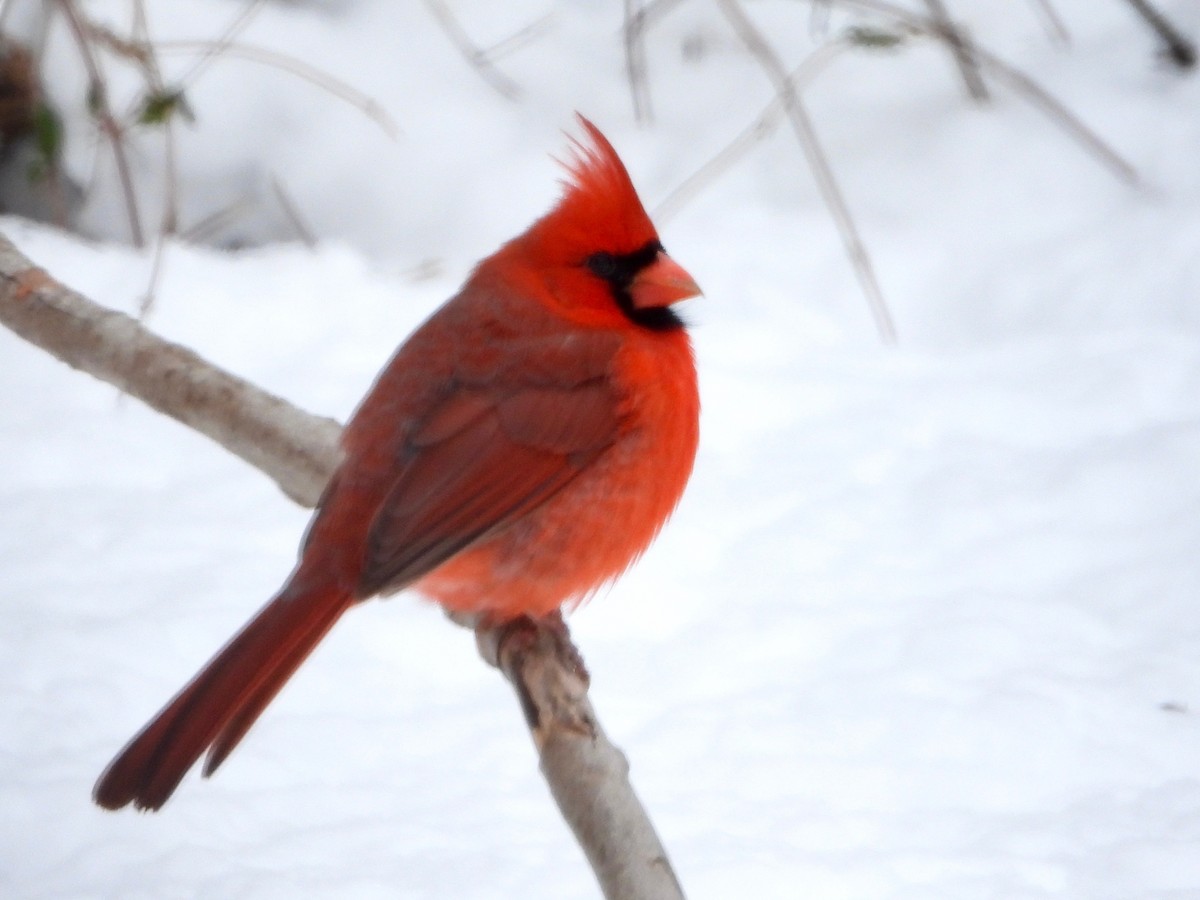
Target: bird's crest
[599, 204]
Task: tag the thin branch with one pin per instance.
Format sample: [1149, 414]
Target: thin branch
[788, 88]
[477, 58]
[153, 75]
[766, 123]
[1054, 23]
[653, 10]
[237, 25]
[157, 267]
[98, 101]
[169, 223]
[1067, 120]
[323, 80]
[758, 47]
[519, 38]
[587, 775]
[1179, 49]
[292, 213]
[209, 226]
[1023, 84]
[633, 33]
[639, 17]
[960, 47]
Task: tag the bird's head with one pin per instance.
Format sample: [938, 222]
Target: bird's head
[596, 251]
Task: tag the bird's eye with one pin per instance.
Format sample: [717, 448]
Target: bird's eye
[603, 265]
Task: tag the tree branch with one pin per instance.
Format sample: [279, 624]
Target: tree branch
[1179, 49]
[105, 120]
[587, 775]
[785, 89]
[968, 68]
[633, 32]
[477, 58]
[1023, 84]
[297, 450]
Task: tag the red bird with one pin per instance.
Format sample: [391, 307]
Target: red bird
[522, 448]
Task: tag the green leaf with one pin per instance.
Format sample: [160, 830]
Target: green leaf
[48, 132]
[873, 38]
[160, 106]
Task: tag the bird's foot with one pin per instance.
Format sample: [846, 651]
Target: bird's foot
[545, 668]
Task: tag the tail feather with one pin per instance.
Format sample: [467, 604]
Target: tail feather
[219, 705]
[253, 704]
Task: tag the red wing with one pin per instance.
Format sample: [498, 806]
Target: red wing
[478, 463]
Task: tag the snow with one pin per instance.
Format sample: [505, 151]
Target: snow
[925, 624]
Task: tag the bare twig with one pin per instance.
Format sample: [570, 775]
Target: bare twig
[964, 58]
[758, 47]
[157, 266]
[214, 50]
[653, 10]
[587, 775]
[158, 88]
[633, 32]
[323, 80]
[303, 231]
[640, 15]
[169, 223]
[477, 58]
[1067, 120]
[158, 106]
[109, 127]
[519, 38]
[786, 101]
[767, 121]
[161, 105]
[1021, 83]
[208, 227]
[1179, 49]
[1054, 23]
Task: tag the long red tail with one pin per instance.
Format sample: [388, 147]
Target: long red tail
[216, 709]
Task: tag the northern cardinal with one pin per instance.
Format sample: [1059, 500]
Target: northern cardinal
[522, 448]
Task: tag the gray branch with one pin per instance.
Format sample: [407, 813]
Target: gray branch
[1178, 48]
[968, 67]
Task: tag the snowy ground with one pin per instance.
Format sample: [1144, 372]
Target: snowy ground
[925, 625]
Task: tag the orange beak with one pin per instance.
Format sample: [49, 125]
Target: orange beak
[662, 283]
